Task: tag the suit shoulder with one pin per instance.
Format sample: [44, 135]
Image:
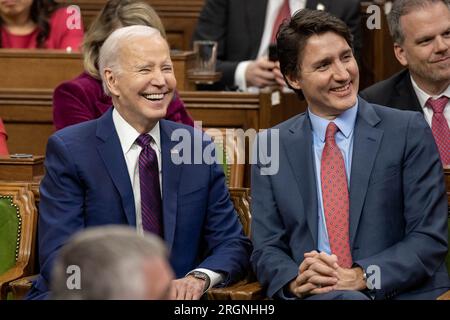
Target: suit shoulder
[77, 132]
[397, 117]
[381, 92]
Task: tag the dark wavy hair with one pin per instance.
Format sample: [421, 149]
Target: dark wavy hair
[40, 13]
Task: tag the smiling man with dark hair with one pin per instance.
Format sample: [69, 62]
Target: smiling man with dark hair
[360, 186]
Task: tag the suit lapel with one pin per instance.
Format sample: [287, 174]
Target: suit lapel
[111, 153]
[298, 146]
[256, 16]
[406, 96]
[170, 182]
[366, 142]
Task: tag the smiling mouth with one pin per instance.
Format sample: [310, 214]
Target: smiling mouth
[343, 90]
[441, 59]
[154, 96]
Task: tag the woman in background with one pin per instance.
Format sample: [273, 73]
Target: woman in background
[83, 98]
[3, 138]
[29, 24]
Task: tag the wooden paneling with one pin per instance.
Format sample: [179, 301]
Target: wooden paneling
[178, 16]
[46, 69]
[378, 59]
[37, 69]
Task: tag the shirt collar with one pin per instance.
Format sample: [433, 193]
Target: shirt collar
[423, 97]
[128, 135]
[345, 122]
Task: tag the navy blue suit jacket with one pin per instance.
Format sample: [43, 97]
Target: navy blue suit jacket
[87, 184]
[398, 204]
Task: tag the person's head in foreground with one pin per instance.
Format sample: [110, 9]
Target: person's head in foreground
[111, 262]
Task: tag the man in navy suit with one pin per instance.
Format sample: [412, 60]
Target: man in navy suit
[94, 174]
[357, 209]
[243, 30]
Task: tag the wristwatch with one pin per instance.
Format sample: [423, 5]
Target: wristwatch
[201, 275]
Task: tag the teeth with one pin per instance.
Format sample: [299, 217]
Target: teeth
[346, 87]
[154, 96]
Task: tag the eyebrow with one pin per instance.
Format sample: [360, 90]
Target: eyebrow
[429, 37]
[329, 59]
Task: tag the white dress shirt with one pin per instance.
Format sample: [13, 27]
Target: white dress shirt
[131, 151]
[273, 7]
[422, 96]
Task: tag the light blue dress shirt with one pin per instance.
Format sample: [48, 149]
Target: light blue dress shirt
[344, 139]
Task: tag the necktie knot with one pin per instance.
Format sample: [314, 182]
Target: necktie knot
[331, 131]
[144, 140]
[437, 105]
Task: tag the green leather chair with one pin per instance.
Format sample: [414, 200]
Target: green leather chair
[18, 216]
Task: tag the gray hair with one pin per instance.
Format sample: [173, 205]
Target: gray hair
[111, 48]
[111, 263]
[403, 7]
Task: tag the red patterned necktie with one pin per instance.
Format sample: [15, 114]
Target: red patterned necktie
[335, 198]
[439, 127]
[283, 14]
[150, 189]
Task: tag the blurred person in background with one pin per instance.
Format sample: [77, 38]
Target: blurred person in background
[30, 24]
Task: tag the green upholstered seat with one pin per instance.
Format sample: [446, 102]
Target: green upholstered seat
[10, 224]
[18, 216]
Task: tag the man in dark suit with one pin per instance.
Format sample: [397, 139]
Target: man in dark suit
[243, 29]
[357, 208]
[420, 30]
[116, 169]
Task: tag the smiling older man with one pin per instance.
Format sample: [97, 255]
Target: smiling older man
[118, 170]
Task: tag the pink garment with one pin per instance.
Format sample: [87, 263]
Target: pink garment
[3, 138]
[66, 30]
[83, 99]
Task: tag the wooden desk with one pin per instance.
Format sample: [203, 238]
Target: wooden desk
[46, 69]
[28, 119]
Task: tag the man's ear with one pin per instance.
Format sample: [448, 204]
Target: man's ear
[400, 54]
[111, 81]
[293, 81]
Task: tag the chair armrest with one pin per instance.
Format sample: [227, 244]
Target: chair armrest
[445, 296]
[249, 291]
[20, 287]
[6, 278]
[242, 290]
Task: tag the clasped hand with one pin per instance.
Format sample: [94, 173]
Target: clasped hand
[320, 273]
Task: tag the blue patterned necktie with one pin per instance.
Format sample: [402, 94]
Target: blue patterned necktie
[150, 189]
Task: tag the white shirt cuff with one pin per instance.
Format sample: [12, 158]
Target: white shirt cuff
[215, 277]
[239, 75]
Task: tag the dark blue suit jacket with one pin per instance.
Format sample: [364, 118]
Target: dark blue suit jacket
[87, 184]
[398, 204]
